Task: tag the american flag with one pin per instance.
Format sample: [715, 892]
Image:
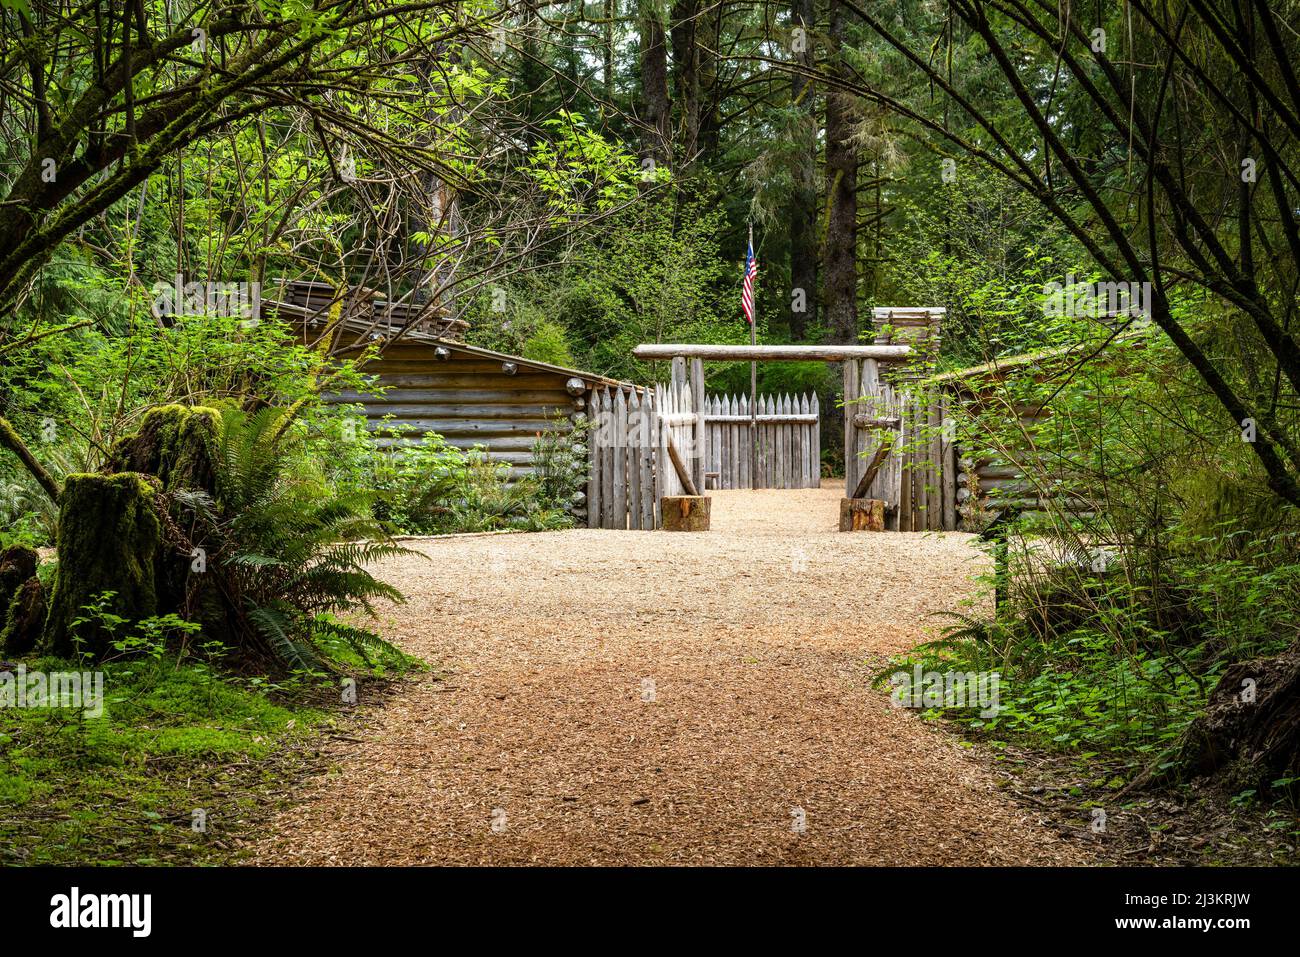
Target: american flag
[751, 273]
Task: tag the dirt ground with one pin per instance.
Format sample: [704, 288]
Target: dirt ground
[652, 698]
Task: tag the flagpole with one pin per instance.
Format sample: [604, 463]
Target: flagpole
[753, 383]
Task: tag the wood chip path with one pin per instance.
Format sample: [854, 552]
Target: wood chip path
[659, 698]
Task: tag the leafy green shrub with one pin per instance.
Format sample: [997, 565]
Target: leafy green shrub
[560, 462]
[283, 550]
[423, 486]
[548, 343]
[1111, 659]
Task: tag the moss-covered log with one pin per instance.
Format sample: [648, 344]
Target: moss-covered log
[1250, 733]
[24, 619]
[110, 540]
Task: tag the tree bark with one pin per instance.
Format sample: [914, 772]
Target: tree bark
[656, 111]
[686, 73]
[1250, 732]
[803, 198]
[839, 257]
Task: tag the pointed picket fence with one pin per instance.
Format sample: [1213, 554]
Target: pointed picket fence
[788, 435]
[624, 480]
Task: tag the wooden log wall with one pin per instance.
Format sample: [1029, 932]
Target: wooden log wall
[1020, 477]
[469, 400]
[789, 441]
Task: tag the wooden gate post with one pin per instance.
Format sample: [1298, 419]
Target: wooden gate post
[699, 453]
[851, 391]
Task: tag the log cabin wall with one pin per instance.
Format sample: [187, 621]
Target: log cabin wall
[990, 483]
[1024, 476]
[471, 398]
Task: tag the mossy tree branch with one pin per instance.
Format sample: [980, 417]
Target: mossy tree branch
[11, 440]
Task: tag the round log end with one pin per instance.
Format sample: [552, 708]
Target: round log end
[685, 513]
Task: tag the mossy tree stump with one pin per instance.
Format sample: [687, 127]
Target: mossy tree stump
[17, 568]
[109, 540]
[685, 513]
[175, 443]
[24, 619]
[862, 515]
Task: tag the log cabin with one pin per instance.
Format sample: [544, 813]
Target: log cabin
[431, 381]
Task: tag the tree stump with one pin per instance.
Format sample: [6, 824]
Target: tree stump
[175, 443]
[685, 513]
[110, 540]
[24, 619]
[862, 515]
[17, 564]
[1249, 733]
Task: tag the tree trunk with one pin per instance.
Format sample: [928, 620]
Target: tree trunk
[109, 540]
[707, 28]
[607, 50]
[803, 197]
[175, 443]
[686, 73]
[840, 256]
[656, 109]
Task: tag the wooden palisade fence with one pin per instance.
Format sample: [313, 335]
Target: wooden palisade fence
[890, 422]
[624, 480]
[789, 442]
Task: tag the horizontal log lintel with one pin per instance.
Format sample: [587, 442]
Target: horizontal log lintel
[827, 353]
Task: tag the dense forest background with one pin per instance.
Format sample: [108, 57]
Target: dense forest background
[574, 178]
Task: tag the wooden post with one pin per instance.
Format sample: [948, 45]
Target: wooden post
[862, 515]
[645, 455]
[948, 467]
[677, 376]
[905, 474]
[658, 435]
[593, 459]
[933, 482]
[686, 513]
[817, 442]
[620, 459]
[607, 465]
[633, 438]
[851, 392]
[699, 452]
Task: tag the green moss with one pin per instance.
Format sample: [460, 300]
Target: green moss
[24, 619]
[17, 564]
[174, 443]
[120, 789]
[109, 540]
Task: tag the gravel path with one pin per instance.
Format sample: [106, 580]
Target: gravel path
[658, 698]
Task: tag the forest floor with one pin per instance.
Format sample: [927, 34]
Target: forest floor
[605, 697]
